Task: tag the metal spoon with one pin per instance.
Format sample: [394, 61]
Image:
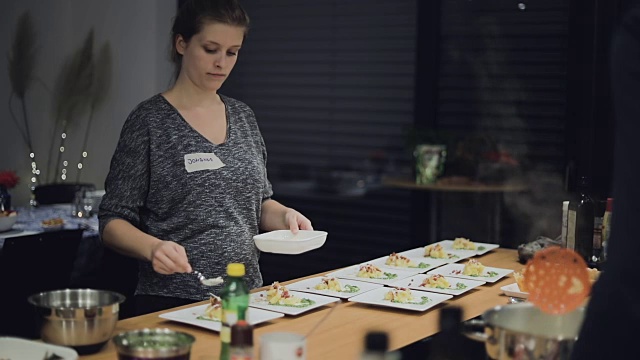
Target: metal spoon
[207, 282]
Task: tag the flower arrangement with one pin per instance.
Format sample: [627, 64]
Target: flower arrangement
[9, 179]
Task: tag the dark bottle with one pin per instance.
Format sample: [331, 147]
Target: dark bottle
[235, 301]
[376, 346]
[580, 221]
[597, 258]
[241, 341]
[449, 343]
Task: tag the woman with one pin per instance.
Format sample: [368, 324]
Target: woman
[187, 188]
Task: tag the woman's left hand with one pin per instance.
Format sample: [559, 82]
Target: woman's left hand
[296, 221]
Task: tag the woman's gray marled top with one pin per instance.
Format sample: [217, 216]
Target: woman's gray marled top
[156, 182]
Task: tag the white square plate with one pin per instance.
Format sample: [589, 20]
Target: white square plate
[17, 348]
[376, 297]
[455, 270]
[190, 316]
[351, 273]
[455, 255]
[286, 242]
[308, 285]
[514, 290]
[481, 248]
[415, 281]
[424, 264]
[259, 300]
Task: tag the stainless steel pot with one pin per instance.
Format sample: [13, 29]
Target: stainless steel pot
[80, 318]
[523, 332]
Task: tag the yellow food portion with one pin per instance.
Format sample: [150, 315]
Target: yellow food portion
[435, 251]
[401, 295]
[214, 309]
[519, 276]
[370, 271]
[436, 281]
[463, 243]
[329, 284]
[279, 295]
[53, 222]
[400, 261]
[473, 268]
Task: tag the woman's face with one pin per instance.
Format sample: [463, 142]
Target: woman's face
[210, 55]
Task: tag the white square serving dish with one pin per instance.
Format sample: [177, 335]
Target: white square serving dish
[286, 242]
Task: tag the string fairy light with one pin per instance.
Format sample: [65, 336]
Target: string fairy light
[63, 170]
[34, 178]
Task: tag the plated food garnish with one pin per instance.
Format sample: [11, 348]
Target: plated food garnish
[404, 296]
[519, 276]
[440, 282]
[332, 283]
[399, 260]
[373, 272]
[436, 251]
[461, 243]
[472, 270]
[278, 294]
[213, 311]
[53, 222]
[473, 267]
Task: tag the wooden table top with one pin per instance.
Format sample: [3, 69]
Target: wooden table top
[341, 336]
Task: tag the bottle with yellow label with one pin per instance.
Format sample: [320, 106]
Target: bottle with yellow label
[235, 301]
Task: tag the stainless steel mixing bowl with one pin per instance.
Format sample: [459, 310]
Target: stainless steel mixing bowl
[80, 318]
[151, 344]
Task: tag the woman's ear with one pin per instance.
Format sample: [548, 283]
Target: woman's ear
[181, 45]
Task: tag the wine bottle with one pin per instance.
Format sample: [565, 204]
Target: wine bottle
[580, 221]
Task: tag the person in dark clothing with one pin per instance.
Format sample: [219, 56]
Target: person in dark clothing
[616, 295]
[187, 187]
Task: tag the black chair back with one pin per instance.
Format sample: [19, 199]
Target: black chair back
[31, 264]
[59, 193]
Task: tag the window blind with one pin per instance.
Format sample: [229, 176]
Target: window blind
[332, 86]
[503, 72]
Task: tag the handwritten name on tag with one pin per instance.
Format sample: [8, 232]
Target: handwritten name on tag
[202, 161]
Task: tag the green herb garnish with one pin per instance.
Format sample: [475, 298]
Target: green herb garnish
[390, 276]
[423, 301]
[491, 274]
[460, 286]
[303, 303]
[481, 248]
[350, 289]
[202, 317]
[423, 265]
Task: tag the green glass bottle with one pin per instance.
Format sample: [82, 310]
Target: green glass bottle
[235, 301]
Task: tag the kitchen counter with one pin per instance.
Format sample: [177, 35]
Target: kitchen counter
[341, 335]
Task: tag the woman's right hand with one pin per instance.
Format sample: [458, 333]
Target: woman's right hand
[167, 257]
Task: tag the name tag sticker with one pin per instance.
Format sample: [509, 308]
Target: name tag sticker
[202, 161]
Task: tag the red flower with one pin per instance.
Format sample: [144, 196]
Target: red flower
[9, 179]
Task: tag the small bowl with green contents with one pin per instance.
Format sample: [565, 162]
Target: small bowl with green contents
[147, 344]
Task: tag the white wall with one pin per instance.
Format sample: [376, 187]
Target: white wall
[138, 32]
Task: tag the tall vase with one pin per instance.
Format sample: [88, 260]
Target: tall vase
[5, 199]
